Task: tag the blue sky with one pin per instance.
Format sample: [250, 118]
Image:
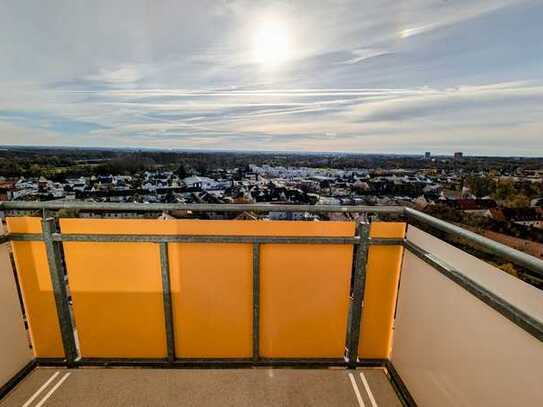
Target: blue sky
[381, 76]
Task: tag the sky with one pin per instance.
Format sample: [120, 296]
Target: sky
[379, 76]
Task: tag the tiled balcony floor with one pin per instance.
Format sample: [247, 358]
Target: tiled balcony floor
[100, 387]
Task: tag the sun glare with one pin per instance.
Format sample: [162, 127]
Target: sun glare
[270, 44]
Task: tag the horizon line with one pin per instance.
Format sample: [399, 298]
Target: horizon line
[293, 152]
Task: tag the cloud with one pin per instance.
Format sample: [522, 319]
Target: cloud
[120, 75]
[50, 122]
[468, 101]
[364, 76]
[360, 55]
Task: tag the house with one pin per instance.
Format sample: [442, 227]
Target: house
[447, 194]
[421, 202]
[522, 216]
[475, 206]
[204, 183]
[291, 216]
[6, 190]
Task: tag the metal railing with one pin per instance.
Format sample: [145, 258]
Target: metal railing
[153, 207]
[361, 243]
[53, 239]
[532, 263]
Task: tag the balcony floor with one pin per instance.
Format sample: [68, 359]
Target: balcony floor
[203, 387]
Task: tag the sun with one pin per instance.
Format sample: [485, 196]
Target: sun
[271, 44]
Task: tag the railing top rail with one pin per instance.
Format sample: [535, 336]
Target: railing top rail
[516, 256]
[501, 250]
[149, 207]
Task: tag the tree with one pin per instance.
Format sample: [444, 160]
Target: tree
[68, 213]
[445, 212]
[182, 172]
[518, 201]
[504, 190]
[509, 268]
[481, 186]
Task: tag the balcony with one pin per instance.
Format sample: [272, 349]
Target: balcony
[248, 313]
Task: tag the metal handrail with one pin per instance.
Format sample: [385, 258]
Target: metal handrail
[530, 262]
[149, 207]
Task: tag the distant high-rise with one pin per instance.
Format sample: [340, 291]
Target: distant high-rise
[458, 155]
[427, 155]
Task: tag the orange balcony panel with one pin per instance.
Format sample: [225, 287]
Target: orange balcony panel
[118, 303]
[305, 294]
[381, 290]
[212, 299]
[37, 289]
[116, 290]
[212, 287]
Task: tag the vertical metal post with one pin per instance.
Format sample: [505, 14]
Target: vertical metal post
[357, 300]
[166, 295]
[256, 302]
[59, 289]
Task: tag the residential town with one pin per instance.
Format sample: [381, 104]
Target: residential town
[420, 188]
[500, 198]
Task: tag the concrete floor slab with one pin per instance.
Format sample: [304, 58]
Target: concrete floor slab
[100, 387]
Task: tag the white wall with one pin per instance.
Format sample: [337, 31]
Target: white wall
[450, 348]
[15, 351]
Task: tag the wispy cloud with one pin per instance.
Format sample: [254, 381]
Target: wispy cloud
[360, 55]
[120, 75]
[363, 76]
